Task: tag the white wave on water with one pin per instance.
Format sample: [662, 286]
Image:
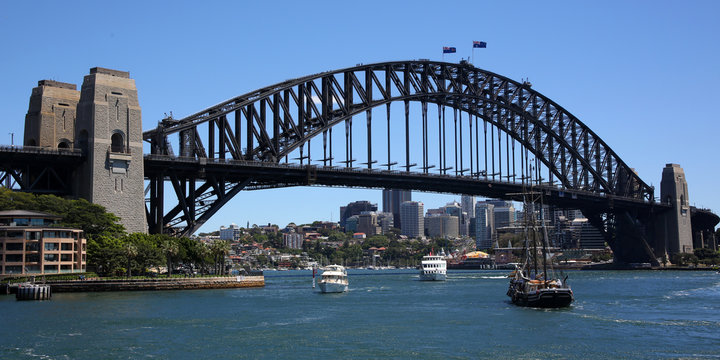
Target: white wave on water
[712, 290]
[683, 323]
[296, 321]
[31, 352]
[494, 277]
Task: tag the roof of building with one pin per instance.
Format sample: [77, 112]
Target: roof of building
[27, 213]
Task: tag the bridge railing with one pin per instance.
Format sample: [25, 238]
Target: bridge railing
[39, 150]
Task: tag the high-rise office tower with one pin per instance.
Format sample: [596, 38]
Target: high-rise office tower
[355, 208]
[413, 222]
[484, 225]
[391, 200]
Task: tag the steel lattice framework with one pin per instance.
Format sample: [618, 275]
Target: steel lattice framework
[267, 125]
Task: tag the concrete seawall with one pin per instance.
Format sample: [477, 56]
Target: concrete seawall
[158, 284]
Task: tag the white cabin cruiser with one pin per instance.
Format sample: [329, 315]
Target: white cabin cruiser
[334, 279]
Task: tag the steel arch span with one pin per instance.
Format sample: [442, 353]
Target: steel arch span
[531, 138]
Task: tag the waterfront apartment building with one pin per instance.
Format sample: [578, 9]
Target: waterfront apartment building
[412, 219]
[391, 200]
[32, 243]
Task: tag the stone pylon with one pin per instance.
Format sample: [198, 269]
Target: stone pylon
[50, 120]
[674, 229]
[109, 131]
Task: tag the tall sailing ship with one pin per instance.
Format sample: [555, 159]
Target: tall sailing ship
[534, 282]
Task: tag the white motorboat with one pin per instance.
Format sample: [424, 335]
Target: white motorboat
[433, 267]
[334, 279]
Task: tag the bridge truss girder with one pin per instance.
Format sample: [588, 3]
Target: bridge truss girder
[39, 170]
[251, 175]
[284, 117]
[267, 125]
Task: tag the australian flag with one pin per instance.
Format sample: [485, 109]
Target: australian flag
[479, 44]
[448, 50]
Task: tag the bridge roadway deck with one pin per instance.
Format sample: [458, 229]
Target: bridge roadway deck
[19, 156]
[268, 175]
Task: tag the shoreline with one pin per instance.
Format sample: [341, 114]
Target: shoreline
[99, 285]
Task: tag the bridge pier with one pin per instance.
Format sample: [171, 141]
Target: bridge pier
[673, 233]
[109, 131]
[626, 232]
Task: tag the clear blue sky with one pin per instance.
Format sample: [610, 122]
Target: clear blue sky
[643, 75]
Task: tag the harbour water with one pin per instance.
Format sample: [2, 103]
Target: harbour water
[386, 314]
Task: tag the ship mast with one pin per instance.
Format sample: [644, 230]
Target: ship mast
[534, 237]
[544, 241]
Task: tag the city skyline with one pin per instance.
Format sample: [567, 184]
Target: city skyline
[628, 71]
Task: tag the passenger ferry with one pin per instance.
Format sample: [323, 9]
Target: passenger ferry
[334, 279]
[433, 267]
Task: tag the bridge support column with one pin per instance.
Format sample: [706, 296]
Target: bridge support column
[109, 130]
[631, 239]
[673, 227]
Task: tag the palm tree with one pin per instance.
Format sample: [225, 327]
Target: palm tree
[219, 250]
[170, 248]
[131, 252]
[203, 252]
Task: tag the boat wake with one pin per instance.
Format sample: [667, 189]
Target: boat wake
[713, 291]
[297, 321]
[682, 323]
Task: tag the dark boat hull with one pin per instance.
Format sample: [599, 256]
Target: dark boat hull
[545, 298]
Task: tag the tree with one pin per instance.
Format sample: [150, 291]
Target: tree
[203, 253]
[131, 252]
[375, 241]
[170, 248]
[93, 219]
[705, 253]
[219, 249]
[148, 251]
[337, 236]
[105, 254]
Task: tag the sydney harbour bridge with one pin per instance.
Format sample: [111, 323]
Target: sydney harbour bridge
[416, 125]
